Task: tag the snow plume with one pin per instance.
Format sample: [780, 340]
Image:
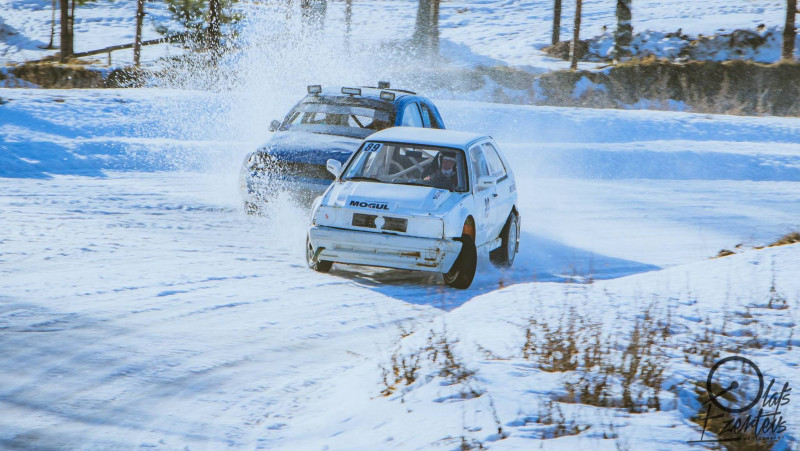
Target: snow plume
[227, 102]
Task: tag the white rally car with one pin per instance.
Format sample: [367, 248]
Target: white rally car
[419, 199]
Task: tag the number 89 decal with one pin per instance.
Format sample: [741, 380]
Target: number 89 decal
[372, 147]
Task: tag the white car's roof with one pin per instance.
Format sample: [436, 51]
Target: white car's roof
[429, 136]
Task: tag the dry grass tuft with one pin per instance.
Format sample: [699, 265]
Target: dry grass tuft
[791, 238]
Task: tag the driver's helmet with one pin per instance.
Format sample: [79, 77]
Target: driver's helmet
[448, 166]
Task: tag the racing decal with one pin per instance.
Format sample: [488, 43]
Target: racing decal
[486, 211]
[370, 204]
[373, 147]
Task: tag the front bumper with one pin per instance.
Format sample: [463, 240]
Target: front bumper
[380, 249]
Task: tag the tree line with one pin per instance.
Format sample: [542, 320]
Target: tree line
[202, 24]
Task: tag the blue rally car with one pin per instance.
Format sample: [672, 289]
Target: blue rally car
[327, 124]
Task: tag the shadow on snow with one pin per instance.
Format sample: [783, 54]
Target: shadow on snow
[539, 260]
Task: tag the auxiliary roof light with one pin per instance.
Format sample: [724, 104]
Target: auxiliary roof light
[352, 91]
[383, 85]
[314, 89]
[386, 95]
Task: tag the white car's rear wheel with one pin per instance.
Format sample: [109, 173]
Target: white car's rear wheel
[316, 265]
[504, 255]
[463, 271]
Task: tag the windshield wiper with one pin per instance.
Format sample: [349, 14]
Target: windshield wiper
[362, 178]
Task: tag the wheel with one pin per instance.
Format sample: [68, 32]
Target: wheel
[503, 256]
[319, 265]
[463, 271]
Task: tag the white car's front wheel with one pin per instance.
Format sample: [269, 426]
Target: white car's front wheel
[463, 271]
[316, 265]
[504, 255]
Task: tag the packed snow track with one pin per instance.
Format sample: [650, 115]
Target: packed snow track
[139, 306]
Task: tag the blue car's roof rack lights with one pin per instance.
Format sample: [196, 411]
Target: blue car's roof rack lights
[386, 92]
[352, 91]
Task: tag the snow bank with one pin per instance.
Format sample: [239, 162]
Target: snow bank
[762, 45]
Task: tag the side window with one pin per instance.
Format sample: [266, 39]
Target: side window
[426, 115]
[478, 162]
[496, 167]
[411, 117]
[427, 118]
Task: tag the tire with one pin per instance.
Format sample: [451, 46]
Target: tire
[503, 256]
[319, 265]
[463, 271]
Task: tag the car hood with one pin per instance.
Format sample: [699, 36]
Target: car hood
[310, 148]
[389, 198]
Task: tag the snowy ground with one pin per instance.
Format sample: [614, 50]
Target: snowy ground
[141, 307]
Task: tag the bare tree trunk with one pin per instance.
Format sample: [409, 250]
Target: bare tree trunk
[213, 33]
[52, 26]
[426, 32]
[137, 42]
[421, 27]
[66, 31]
[556, 22]
[789, 31]
[624, 34]
[576, 36]
[348, 22]
[434, 46]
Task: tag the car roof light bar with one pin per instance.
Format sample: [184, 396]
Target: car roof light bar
[352, 91]
[314, 89]
[386, 95]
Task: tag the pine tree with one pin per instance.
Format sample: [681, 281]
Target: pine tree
[203, 22]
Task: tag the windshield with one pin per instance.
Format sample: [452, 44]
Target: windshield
[345, 116]
[409, 164]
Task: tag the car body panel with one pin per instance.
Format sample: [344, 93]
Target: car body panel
[391, 251]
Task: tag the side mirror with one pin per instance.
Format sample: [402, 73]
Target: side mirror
[334, 167]
[274, 125]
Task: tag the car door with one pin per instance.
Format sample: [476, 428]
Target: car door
[483, 194]
[503, 200]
